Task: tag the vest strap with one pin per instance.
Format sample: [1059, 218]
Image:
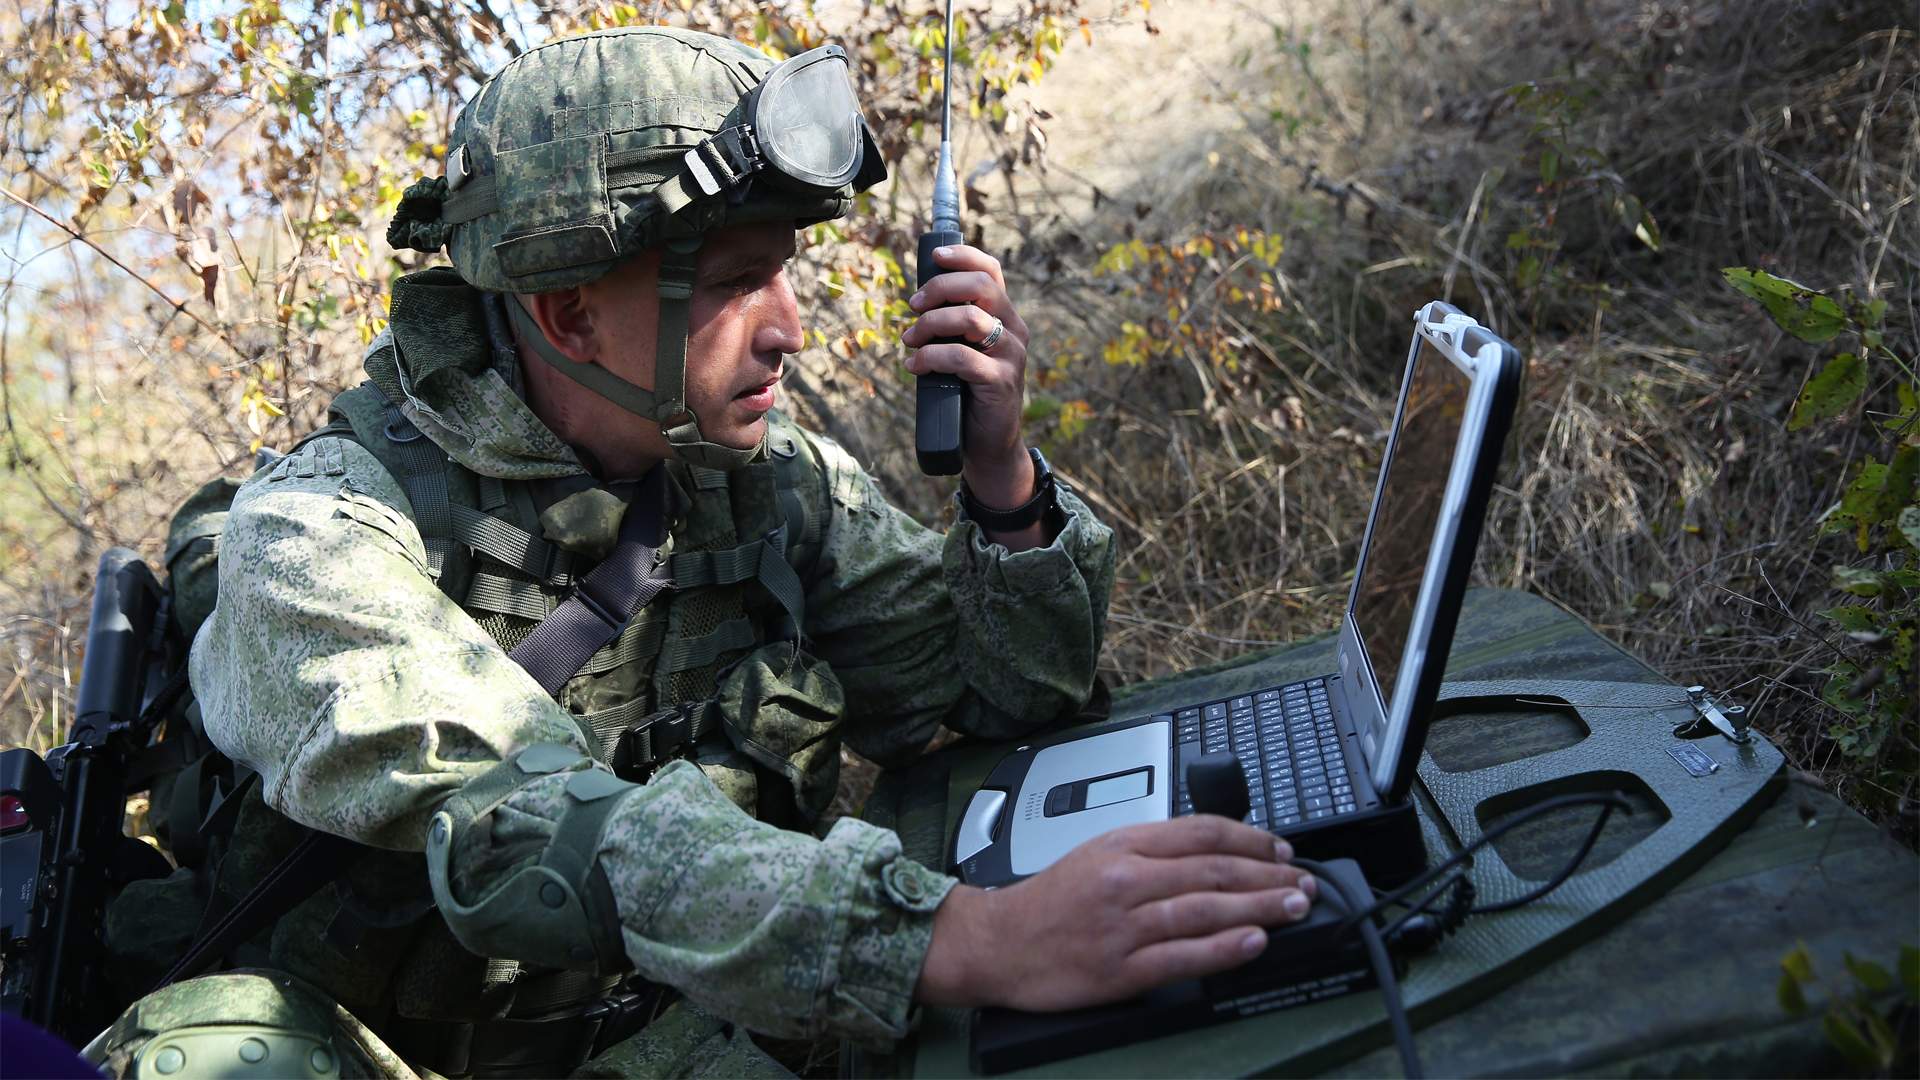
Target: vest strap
[504, 595]
[640, 639]
[686, 654]
[763, 560]
[512, 545]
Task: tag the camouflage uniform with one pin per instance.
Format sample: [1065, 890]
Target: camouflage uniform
[369, 701]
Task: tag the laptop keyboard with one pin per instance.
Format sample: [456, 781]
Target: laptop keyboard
[1286, 742]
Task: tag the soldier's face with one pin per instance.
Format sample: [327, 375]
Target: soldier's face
[744, 322]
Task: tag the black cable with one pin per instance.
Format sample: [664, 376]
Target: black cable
[1449, 922]
[1609, 804]
[1460, 906]
[1382, 969]
[1608, 801]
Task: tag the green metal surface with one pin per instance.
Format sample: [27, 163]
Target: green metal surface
[1714, 930]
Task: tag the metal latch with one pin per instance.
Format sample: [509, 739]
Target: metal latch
[1730, 720]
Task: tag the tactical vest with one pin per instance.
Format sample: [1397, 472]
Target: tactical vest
[711, 652]
[714, 668]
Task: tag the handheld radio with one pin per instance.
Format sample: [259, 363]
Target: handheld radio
[940, 398]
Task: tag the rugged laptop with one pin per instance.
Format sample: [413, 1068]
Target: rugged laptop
[1329, 760]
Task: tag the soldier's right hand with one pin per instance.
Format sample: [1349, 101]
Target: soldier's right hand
[1122, 913]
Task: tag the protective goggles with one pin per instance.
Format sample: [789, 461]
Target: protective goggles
[801, 130]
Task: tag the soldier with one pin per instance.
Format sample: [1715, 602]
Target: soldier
[564, 625]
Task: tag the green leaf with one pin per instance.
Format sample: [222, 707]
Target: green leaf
[1852, 618]
[1909, 524]
[1799, 963]
[1909, 405]
[1859, 580]
[1852, 1045]
[1870, 975]
[1807, 314]
[1903, 474]
[1879, 496]
[1648, 231]
[1910, 970]
[1837, 386]
[1792, 999]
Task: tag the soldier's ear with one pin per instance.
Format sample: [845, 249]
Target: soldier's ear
[566, 319]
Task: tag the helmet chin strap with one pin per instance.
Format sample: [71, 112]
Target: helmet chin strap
[665, 403]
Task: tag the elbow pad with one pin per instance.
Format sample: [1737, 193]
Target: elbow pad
[557, 910]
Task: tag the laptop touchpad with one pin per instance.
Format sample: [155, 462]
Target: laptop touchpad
[1077, 790]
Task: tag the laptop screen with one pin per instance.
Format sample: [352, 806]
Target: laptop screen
[1412, 492]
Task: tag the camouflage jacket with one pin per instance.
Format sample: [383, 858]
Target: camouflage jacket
[364, 697]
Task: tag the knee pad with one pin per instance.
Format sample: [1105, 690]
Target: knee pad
[233, 1024]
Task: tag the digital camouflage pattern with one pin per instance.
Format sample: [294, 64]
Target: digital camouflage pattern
[242, 1024]
[336, 667]
[569, 141]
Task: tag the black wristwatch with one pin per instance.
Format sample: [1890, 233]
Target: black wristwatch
[1044, 502]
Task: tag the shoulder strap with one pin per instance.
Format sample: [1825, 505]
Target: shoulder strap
[602, 602]
[428, 476]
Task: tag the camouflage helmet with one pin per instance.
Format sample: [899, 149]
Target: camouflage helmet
[590, 149]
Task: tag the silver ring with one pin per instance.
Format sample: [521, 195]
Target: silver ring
[993, 336]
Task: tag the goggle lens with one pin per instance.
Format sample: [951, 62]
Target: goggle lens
[810, 125]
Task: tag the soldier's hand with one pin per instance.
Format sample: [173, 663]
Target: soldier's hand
[1122, 913]
[965, 303]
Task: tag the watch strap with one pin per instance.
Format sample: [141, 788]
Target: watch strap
[1035, 509]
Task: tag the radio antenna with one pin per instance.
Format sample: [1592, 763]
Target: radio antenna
[939, 398]
[946, 195]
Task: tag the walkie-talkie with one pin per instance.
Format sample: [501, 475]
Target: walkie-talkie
[941, 398]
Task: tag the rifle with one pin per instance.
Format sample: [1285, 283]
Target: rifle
[63, 848]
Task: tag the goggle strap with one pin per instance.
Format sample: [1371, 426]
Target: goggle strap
[873, 164]
[634, 399]
[676, 193]
[478, 195]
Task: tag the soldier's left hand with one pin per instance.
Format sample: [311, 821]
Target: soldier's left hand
[966, 301]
